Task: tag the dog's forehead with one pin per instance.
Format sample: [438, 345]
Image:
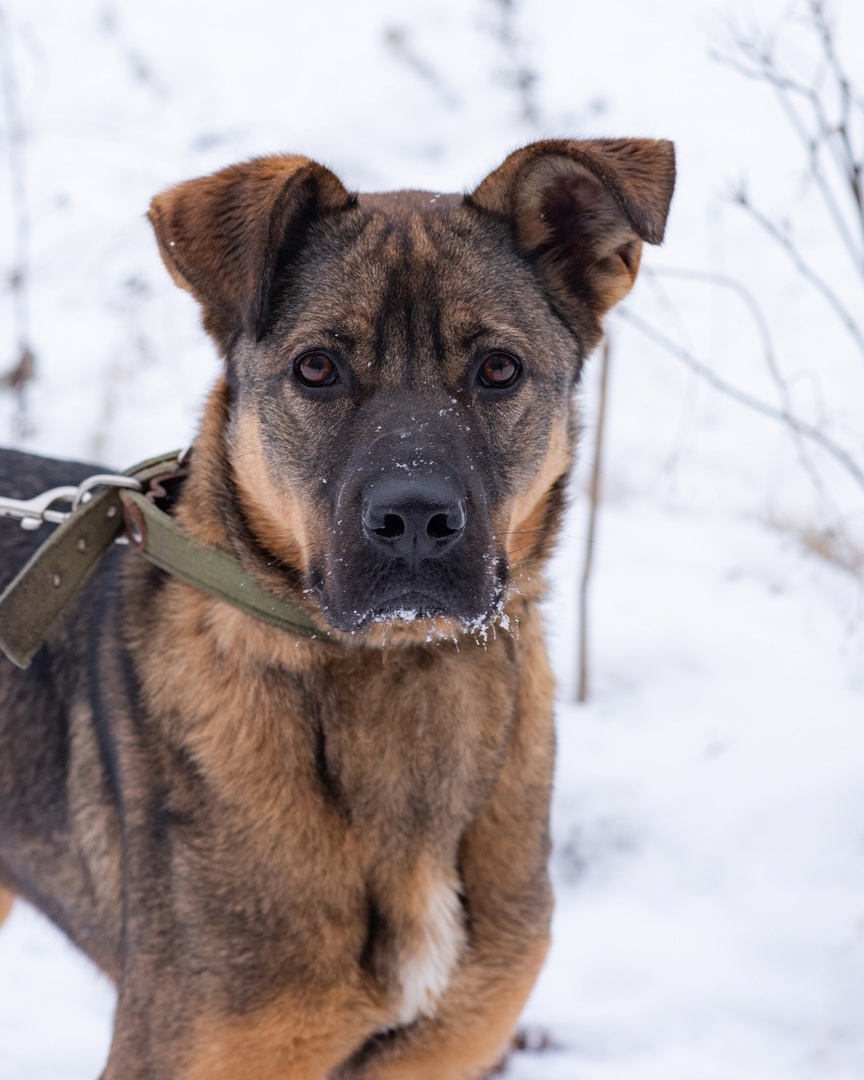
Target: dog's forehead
[402, 205]
[415, 279]
[408, 256]
[402, 253]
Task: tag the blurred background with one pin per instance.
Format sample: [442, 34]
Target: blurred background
[709, 814]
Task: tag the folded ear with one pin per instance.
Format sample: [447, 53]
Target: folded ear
[224, 236]
[581, 211]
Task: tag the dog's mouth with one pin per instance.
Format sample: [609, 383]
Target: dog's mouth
[427, 611]
[414, 607]
[406, 607]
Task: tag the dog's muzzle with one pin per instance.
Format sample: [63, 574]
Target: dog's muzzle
[410, 535]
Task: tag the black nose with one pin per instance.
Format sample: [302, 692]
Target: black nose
[414, 518]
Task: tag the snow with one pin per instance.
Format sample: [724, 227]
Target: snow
[708, 816]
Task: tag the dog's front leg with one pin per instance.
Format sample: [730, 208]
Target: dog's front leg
[301, 1035]
[471, 1029]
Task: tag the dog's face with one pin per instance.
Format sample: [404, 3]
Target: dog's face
[409, 408]
[401, 367]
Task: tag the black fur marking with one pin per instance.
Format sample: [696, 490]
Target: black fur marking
[247, 541]
[103, 711]
[377, 938]
[370, 1049]
[329, 781]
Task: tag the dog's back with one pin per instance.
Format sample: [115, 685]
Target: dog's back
[39, 856]
[23, 476]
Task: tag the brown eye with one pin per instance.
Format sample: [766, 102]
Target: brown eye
[316, 369]
[499, 370]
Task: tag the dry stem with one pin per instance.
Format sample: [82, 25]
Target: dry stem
[21, 372]
[593, 509]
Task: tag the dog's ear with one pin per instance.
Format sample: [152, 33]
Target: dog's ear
[224, 236]
[581, 210]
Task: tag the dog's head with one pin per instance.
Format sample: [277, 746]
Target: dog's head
[397, 414]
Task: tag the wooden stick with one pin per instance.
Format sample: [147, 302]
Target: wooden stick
[593, 507]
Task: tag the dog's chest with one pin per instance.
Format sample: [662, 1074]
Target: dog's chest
[349, 860]
[410, 778]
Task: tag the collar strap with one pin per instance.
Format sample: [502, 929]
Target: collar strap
[36, 599]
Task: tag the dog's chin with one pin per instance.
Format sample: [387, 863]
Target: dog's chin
[412, 617]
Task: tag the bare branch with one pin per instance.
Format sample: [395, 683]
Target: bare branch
[518, 73]
[808, 431]
[760, 64]
[768, 352]
[811, 146]
[803, 268]
[848, 161]
[399, 42]
[594, 505]
[21, 372]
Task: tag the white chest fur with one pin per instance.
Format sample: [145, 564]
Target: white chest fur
[426, 967]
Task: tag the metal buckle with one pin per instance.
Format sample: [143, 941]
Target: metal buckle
[83, 492]
[32, 513]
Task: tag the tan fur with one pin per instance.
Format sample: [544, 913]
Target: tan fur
[498, 853]
[484, 1008]
[247, 764]
[457, 1045]
[616, 193]
[6, 902]
[321, 1031]
[527, 514]
[287, 534]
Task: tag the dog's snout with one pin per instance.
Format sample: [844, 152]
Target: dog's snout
[414, 518]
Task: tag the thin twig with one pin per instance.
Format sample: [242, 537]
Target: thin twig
[21, 372]
[804, 269]
[593, 508]
[741, 396]
[768, 352]
[811, 147]
[849, 163]
[518, 73]
[398, 40]
[760, 65]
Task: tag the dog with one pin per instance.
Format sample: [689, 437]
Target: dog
[326, 856]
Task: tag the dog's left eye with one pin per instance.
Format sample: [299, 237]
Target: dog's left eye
[499, 371]
[316, 369]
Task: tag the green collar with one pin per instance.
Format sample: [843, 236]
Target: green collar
[43, 590]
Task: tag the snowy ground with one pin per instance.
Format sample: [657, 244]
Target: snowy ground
[709, 814]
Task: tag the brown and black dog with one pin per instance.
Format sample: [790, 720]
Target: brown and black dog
[316, 859]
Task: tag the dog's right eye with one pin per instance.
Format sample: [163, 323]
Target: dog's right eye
[316, 369]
